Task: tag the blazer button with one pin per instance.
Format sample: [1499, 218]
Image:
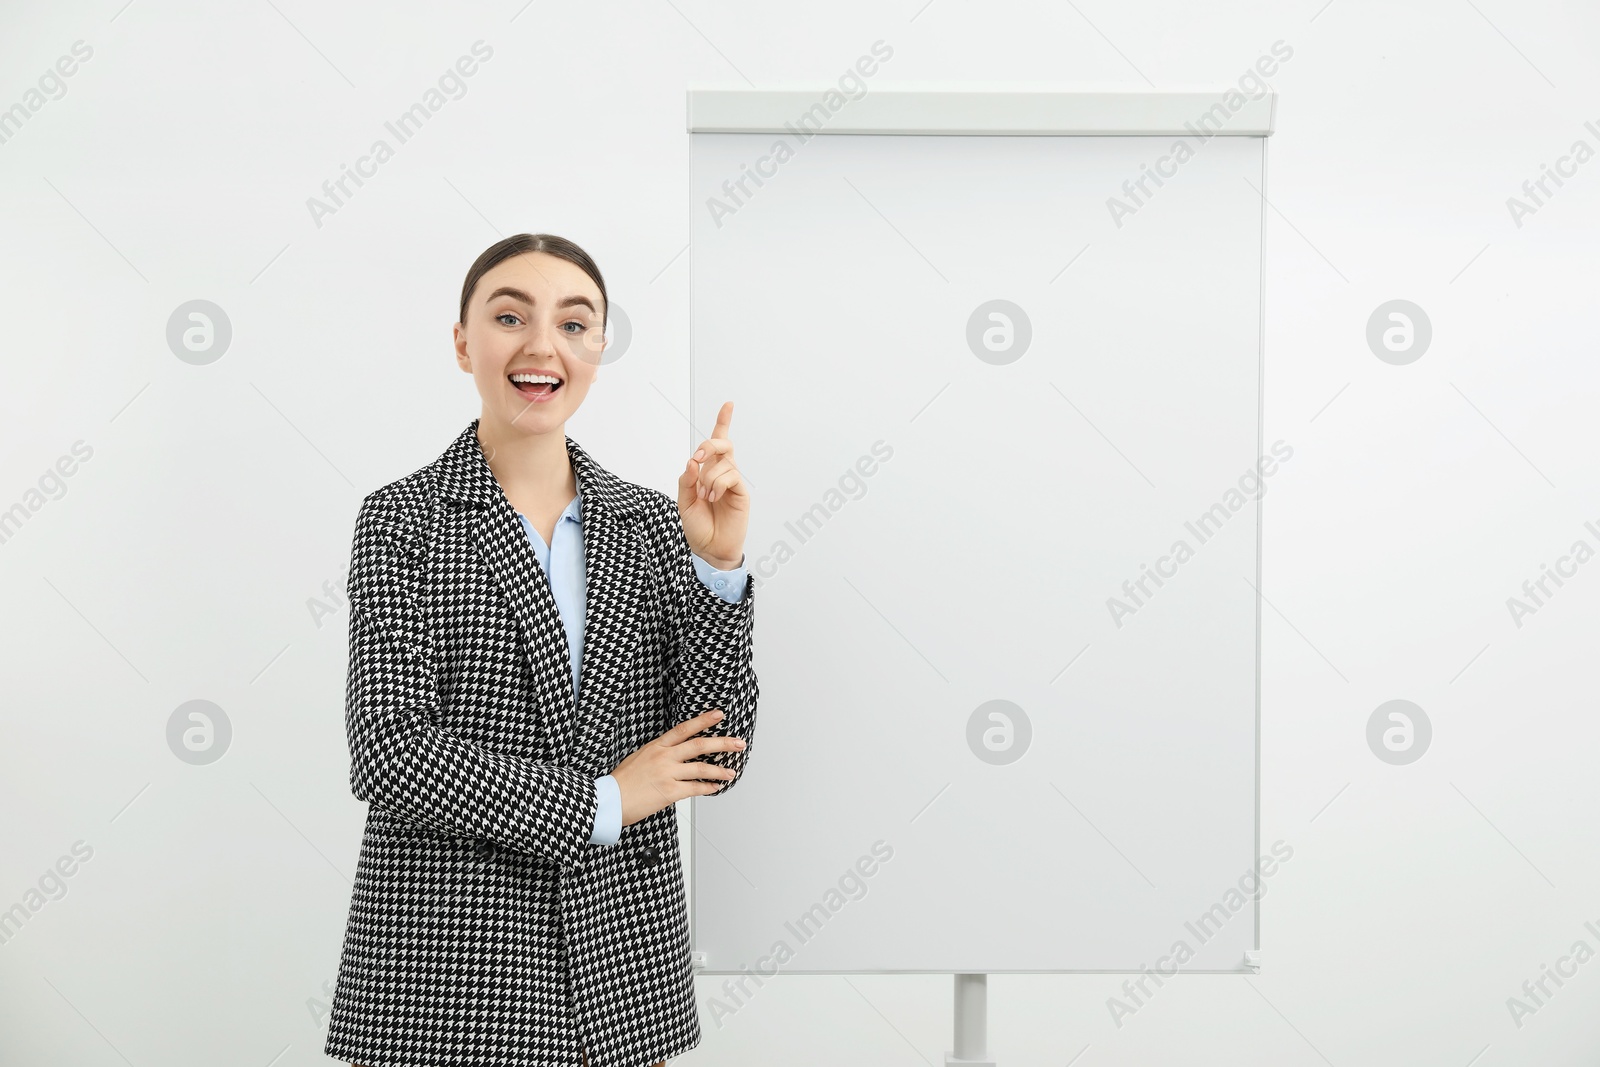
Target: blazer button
[649, 857]
[484, 848]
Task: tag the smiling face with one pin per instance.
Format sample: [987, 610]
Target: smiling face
[532, 318]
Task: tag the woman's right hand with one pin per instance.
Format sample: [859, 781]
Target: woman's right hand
[661, 772]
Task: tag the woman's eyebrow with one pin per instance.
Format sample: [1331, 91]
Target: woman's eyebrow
[518, 294]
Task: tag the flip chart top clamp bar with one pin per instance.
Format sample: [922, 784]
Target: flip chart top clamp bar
[1224, 111]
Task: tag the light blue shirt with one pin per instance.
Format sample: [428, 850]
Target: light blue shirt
[562, 561]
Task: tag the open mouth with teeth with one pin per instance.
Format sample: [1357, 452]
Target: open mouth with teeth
[535, 384]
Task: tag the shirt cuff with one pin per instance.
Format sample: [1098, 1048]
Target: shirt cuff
[729, 585]
[608, 812]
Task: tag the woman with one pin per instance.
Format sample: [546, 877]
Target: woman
[519, 895]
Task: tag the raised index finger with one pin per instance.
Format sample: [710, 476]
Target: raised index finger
[717, 444]
[724, 417]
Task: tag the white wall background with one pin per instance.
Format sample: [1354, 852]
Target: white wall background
[176, 562]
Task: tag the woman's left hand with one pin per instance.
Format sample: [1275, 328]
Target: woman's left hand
[714, 502]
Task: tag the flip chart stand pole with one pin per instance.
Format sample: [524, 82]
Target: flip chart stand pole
[972, 1007]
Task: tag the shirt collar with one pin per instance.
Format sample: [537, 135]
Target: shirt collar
[463, 475]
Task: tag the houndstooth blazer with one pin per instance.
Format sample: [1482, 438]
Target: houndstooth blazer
[484, 928]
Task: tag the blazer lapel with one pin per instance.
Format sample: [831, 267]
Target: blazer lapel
[576, 732]
[613, 573]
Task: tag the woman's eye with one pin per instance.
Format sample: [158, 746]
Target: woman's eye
[504, 315]
[579, 325]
